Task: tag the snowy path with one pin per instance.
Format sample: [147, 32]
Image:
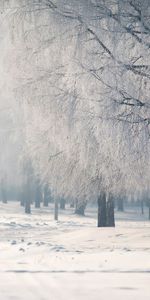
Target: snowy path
[71, 259]
[74, 286]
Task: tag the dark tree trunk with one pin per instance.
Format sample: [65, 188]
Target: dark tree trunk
[38, 196]
[105, 211]
[56, 210]
[102, 216]
[27, 206]
[110, 212]
[142, 207]
[4, 196]
[120, 204]
[149, 209]
[51, 199]
[22, 199]
[37, 202]
[46, 196]
[3, 190]
[22, 202]
[62, 203]
[27, 197]
[72, 204]
[80, 208]
[27, 187]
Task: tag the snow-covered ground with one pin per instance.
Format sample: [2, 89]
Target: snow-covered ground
[72, 259]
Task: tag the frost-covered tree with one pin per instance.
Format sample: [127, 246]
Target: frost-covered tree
[82, 78]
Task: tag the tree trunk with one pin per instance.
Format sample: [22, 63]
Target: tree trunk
[62, 203]
[22, 199]
[4, 196]
[56, 210]
[3, 185]
[27, 187]
[102, 217]
[27, 206]
[38, 196]
[110, 212]
[22, 202]
[120, 204]
[149, 209]
[105, 211]
[27, 197]
[37, 202]
[80, 208]
[72, 204]
[142, 206]
[46, 196]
